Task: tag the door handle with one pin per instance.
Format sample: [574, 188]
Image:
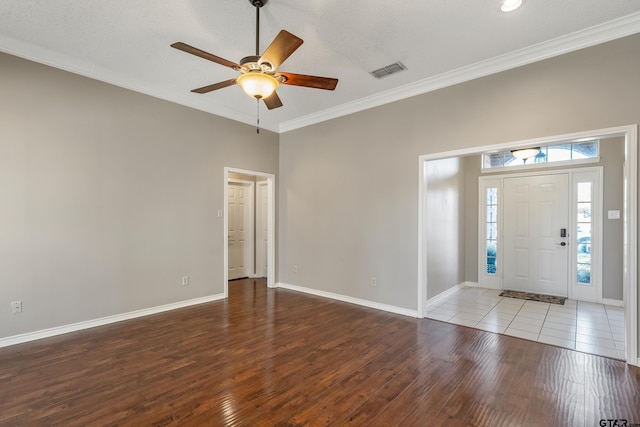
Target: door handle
[562, 244]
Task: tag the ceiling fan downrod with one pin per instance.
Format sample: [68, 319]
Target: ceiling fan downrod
[258, 4]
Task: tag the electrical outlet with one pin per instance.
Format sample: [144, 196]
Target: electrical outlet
[16, 307]
[185, 280]
[295, 268]
[374, 282]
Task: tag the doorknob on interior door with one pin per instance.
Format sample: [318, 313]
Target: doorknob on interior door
[562, 243]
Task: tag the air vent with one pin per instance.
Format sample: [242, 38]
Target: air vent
[388, 70]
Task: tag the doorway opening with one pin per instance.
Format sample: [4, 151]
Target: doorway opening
[448, 229]
[249, 224]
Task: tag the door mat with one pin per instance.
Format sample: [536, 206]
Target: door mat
[533, 297]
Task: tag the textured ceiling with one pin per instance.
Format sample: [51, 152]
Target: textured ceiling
[126, 42]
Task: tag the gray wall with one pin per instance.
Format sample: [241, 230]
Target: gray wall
[445, 208]
[612, 161]
[349, 186]
[472, 172]
[612, 158]
[108, 197]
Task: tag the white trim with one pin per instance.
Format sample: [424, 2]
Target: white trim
[549, 171]
[59, 330]
[422, 238]
[351, 300]
[630, 257]
[271, 215]
[630, 286]
[592, 36]
[597, 133]
[471, 284]
[260, 214]
[444, 295]
[534, 166]
[94, 71]
[613, 302]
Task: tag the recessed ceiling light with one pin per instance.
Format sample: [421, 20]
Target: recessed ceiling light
[511, 5]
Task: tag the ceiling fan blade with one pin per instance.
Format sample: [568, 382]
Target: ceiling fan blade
[273, 101]
[326, 83]
[206, 55]
[280, 49]
[215, 86]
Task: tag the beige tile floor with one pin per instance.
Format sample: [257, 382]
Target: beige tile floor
[583, 326]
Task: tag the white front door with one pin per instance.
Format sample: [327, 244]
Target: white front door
[536, 209]
[240, 220]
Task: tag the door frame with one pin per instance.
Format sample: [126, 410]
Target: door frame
[250, 214]
[630, 218]
[259, 214]
[271, 215]
[597, 260]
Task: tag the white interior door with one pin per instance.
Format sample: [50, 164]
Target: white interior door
[535, 254]
[240, 229]
[262, 228]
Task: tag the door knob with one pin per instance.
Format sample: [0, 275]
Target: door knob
[562, 244]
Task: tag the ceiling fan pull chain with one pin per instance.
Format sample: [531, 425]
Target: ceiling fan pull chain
[258, 116]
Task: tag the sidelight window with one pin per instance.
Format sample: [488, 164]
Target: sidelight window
[583, 233]
[492, 229]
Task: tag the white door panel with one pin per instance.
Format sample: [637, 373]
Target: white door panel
[535, 209]
[240, 217]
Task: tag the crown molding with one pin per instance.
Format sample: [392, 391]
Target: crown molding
[592, 36]
[88, 69]
[608, 31]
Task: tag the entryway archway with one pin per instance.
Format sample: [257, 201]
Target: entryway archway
[628, 216]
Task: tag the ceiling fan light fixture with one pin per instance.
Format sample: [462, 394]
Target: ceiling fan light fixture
[511, 5]
[258, 85]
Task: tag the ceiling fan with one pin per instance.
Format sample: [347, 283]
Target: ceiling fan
[258, 75]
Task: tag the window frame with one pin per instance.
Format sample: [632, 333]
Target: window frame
[546, 164]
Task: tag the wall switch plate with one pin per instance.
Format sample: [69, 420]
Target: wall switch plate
[295, 268]
[613, 214]
[219, 213]
[16, 307]
[374, 282]
[185, 280]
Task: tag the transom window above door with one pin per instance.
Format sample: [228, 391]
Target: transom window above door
[567, 152]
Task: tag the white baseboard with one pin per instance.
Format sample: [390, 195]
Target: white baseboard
[352, 300]
[471, 284]
[59, 330]
[614, 302]
[443, 295]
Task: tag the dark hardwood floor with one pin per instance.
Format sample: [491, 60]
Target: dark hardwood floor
[280, 358]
